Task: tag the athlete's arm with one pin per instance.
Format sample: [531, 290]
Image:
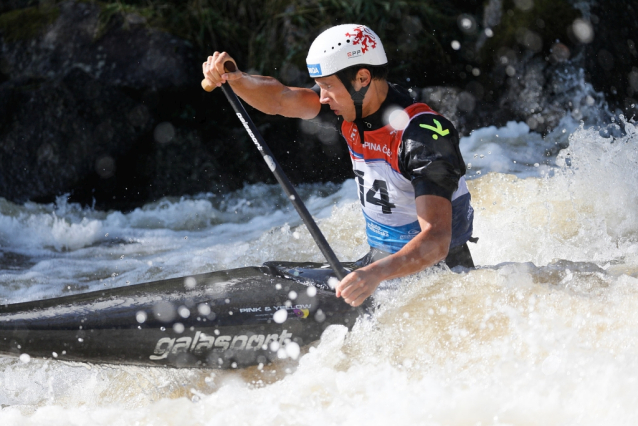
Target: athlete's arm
[428, 248]
[266, 94]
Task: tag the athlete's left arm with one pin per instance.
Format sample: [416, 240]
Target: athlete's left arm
[428, 248]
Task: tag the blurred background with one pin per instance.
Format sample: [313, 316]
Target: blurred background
[101, 100]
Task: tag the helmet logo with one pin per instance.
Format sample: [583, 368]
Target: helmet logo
[314, 70]
[362, 35]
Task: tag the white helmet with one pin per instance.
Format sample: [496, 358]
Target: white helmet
[343, 46]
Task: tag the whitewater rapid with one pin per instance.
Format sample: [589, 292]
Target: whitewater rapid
[544, 331]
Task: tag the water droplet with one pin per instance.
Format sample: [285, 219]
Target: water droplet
[292, 350]
[184, 312]
[280, 316]
[141, 317]
[333, 282]
[203, 309]
[190, 282]
[583, 31]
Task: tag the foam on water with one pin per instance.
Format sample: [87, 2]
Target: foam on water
[513, 149]
[544, 332]
[584, 212]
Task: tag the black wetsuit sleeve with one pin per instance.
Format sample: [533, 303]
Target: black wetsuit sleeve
[429, 156]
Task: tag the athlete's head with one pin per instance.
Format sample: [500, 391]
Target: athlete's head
[343, 52]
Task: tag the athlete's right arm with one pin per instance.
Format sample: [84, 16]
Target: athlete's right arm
[266, 94]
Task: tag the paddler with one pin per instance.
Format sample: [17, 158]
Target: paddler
[405, 156]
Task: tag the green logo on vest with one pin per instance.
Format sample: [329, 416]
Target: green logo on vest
[438, 129]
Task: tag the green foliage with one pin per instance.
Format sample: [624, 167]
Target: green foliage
[23, 24]
[110, 10]
[273, 36]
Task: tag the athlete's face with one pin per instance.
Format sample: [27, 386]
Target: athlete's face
[334, 93]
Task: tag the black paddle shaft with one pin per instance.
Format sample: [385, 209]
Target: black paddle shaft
[281, 178]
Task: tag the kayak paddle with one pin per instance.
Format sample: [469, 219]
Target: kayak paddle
[275, 168]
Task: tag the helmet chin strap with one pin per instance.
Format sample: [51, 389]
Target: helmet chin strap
[357, 97]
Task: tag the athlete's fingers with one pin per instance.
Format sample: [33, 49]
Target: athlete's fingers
[354, 289]
[358, 292]
[220, 63]
[209, 70]
[345, 283]
[351, 290]
[341, 284]
[359, 300]
[210, 61]
[213, 75]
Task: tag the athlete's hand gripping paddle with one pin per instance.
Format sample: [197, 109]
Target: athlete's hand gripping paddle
[278, 172]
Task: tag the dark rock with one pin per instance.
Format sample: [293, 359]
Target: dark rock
[54, 133]
[117, 53]
[611, 58]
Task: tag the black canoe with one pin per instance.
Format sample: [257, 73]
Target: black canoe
[224, 319]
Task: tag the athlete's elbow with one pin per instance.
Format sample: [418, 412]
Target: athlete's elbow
[443, 252]
[442, 246]
[272, 109]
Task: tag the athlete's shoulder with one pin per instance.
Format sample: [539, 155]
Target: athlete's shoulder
[429, 126]
[429, 155]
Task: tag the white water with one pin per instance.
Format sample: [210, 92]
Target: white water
[544, 332]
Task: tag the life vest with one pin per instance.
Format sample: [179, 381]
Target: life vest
[387, 197]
